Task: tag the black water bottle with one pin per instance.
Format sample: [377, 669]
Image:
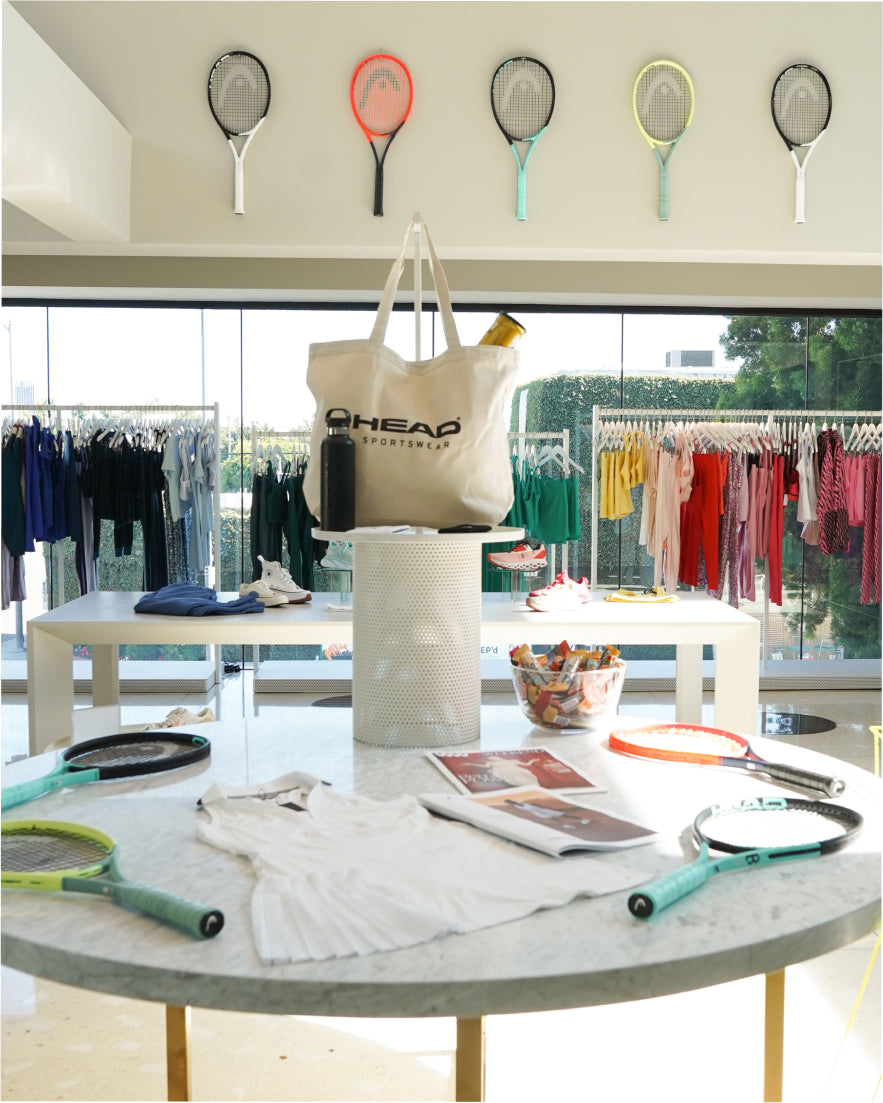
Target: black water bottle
[338, 473]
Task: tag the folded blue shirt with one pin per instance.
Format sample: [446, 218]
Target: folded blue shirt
[185, 599]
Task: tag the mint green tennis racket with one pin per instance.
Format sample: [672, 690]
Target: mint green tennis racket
[663, 102]
[522, 99]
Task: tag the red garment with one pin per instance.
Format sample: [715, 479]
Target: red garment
[871, 545]
[832, 508]
[700, 519]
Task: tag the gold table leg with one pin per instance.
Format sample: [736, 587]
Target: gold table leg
[178, 1052]
[469, 1061]
[774, 1037]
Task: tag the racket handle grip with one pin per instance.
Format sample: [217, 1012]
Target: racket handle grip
[666, 890]
[663, 196]
[238, 187]
[521, 197]
[378, 190]
[195, 919]
[804, 779]
[800, 198]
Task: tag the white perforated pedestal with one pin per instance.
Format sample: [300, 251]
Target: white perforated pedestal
[417, 636]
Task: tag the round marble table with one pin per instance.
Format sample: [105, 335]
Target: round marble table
[590, 952]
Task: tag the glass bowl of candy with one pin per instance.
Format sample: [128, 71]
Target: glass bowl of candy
[567, 689]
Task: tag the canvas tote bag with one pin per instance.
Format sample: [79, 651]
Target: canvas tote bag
[430, 435]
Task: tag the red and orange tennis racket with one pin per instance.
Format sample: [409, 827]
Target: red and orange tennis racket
[381, 94]
[714, 747]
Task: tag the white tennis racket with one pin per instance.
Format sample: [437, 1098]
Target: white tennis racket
[801, 107]
[239, 98]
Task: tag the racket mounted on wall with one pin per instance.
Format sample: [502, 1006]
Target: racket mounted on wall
[381, 95]
[522, 100]
[663, 101]
[801, 108]
[239, 99]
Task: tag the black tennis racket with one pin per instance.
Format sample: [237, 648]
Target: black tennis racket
[381, 94]
[663, 101]
[239, 98]
[752, 833]
[801, 107]
[112, 757]
[52, 856]
[522, 100]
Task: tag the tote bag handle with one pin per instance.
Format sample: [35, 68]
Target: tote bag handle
[441, 290]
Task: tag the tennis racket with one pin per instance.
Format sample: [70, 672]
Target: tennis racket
[752, 833]
[663, 102]
[109, 758]
[713, 747]
[801, 106]
[52, 856]
[239, 98]
[381, 94]
[522, 100]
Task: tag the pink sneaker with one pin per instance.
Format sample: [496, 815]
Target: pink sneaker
[562, 594]
[521, 558]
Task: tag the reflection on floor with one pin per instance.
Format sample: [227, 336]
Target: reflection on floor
[68, 1044]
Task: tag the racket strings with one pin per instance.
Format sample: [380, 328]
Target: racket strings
[44, 852]
[132, 754]
[664, 100]
[758, 829]
[239, 93]
[684, 741]
[801, 105]
[522, 97]
[381, 95]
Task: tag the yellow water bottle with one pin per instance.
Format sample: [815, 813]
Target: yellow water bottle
[504, 331]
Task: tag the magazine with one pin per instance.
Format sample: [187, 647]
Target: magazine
[541, 820]
[499, 771]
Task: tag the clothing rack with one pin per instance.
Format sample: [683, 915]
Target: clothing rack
[63, 414]
[600, 413]
[564, 436]
[296, 436]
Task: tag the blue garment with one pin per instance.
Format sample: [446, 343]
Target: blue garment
[185, 599]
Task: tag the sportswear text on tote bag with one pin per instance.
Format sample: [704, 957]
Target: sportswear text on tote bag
[430, 435]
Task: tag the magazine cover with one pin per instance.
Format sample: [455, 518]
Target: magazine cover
[498, 771]
[542, 820]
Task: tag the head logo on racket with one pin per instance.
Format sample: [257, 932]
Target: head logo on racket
[381, 95]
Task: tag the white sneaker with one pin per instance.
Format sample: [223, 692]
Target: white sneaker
[184, 717]
[264, 593]
[563, 594]
[339, 556]
[281, 582]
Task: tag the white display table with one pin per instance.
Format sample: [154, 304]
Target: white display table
[589, 953]
[106, 620]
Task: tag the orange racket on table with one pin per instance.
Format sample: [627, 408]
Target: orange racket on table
[703, 746]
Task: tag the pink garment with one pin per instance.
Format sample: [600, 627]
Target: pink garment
[854, 476]
[673, 478]
[748, 537]
[871, 544]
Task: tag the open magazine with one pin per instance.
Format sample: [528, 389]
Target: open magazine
[541, 820]
[497, 771]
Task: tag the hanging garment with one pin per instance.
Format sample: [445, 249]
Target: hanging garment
[870, 591]
[777, 526]
[748, 531]
[700, 519]
[808, 474]
[832, 509]
[616, 499]
[674, 476]
[728, 533]
[854, 477]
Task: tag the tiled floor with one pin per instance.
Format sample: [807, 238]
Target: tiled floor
[68, 1044]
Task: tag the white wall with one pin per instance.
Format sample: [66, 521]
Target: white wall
[592, 181]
